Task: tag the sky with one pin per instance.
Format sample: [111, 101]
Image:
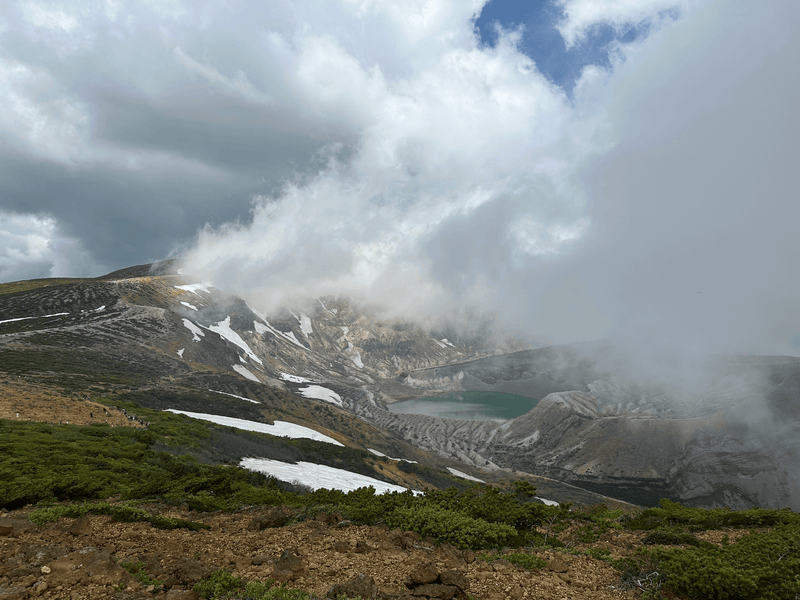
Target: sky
[577, 168]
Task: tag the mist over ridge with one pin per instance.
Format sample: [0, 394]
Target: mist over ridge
[651, 207]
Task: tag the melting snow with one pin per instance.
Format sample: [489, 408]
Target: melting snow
[101, 309]
[382, 455]
[317, 476]
[355, 355]
[356, 358]
[42, 317]
[305, 324]
[192, 306]
[197, 333]
[279, 429]
[463, 475]
[245, 373]
[321, 393]
[223, 328]
[448, 343]
[325, 307]
[291, 337]
[193, 287]
[294, 378]
[548, 502]
[269, 328]
[235, 396]
[180, 352]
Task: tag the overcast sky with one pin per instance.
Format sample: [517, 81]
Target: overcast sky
[583, 168]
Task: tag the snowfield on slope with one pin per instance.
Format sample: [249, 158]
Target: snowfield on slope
[279, 429]
[463, 475]
[317, 392]
[193, 287]
[223, 329]
[294, 378]
[245, 373]
[42, 317]
[235, 396]
[197, 333]
[317, 476]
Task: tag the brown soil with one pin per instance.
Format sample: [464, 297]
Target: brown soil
[78, 558]
[24, 400]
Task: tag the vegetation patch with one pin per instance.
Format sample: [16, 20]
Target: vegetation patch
[125, 513]
[139, 572]
[222, 585]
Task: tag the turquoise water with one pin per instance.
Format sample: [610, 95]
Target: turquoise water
[478, 406]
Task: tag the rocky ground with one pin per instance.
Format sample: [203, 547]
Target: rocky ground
[83, 558]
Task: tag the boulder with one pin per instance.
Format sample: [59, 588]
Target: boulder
[361, 585]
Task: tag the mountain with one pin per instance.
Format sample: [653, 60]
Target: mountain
[75, 351]
[608, 422]
[604, 426]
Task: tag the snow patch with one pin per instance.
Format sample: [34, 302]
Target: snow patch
[101, 309]
[223, 328]
[318, 392]
[463, 475]
[305, 324]
[356, 358]
[42, 317]
[548, 502]
[294, 378]
[245, 373]
[192, 306]
[382, 455]
[325, 307]
[317, 476]
[448, 343]
[279, 429]
[193, 287]
[289, 337]
[197, 333]
[180, 352]
[235, 396]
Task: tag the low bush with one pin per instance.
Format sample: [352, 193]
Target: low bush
[452, 527]
[126, 513]
[221, 585]
[673, 515]
[759, 566]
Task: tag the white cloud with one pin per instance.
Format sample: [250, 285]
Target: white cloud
[392, 158]
[31, 246]
[472, 128]
[580, 16]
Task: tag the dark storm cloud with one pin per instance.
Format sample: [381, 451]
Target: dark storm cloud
[133, 126]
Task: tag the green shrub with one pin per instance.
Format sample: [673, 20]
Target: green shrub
[759, 566]
[452, 527]
[669, 538]
[126, 513]
[221, 585]
[673, 515]
[137, 569]
[218, 584]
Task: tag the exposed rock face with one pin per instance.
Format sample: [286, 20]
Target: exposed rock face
[728, 442]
